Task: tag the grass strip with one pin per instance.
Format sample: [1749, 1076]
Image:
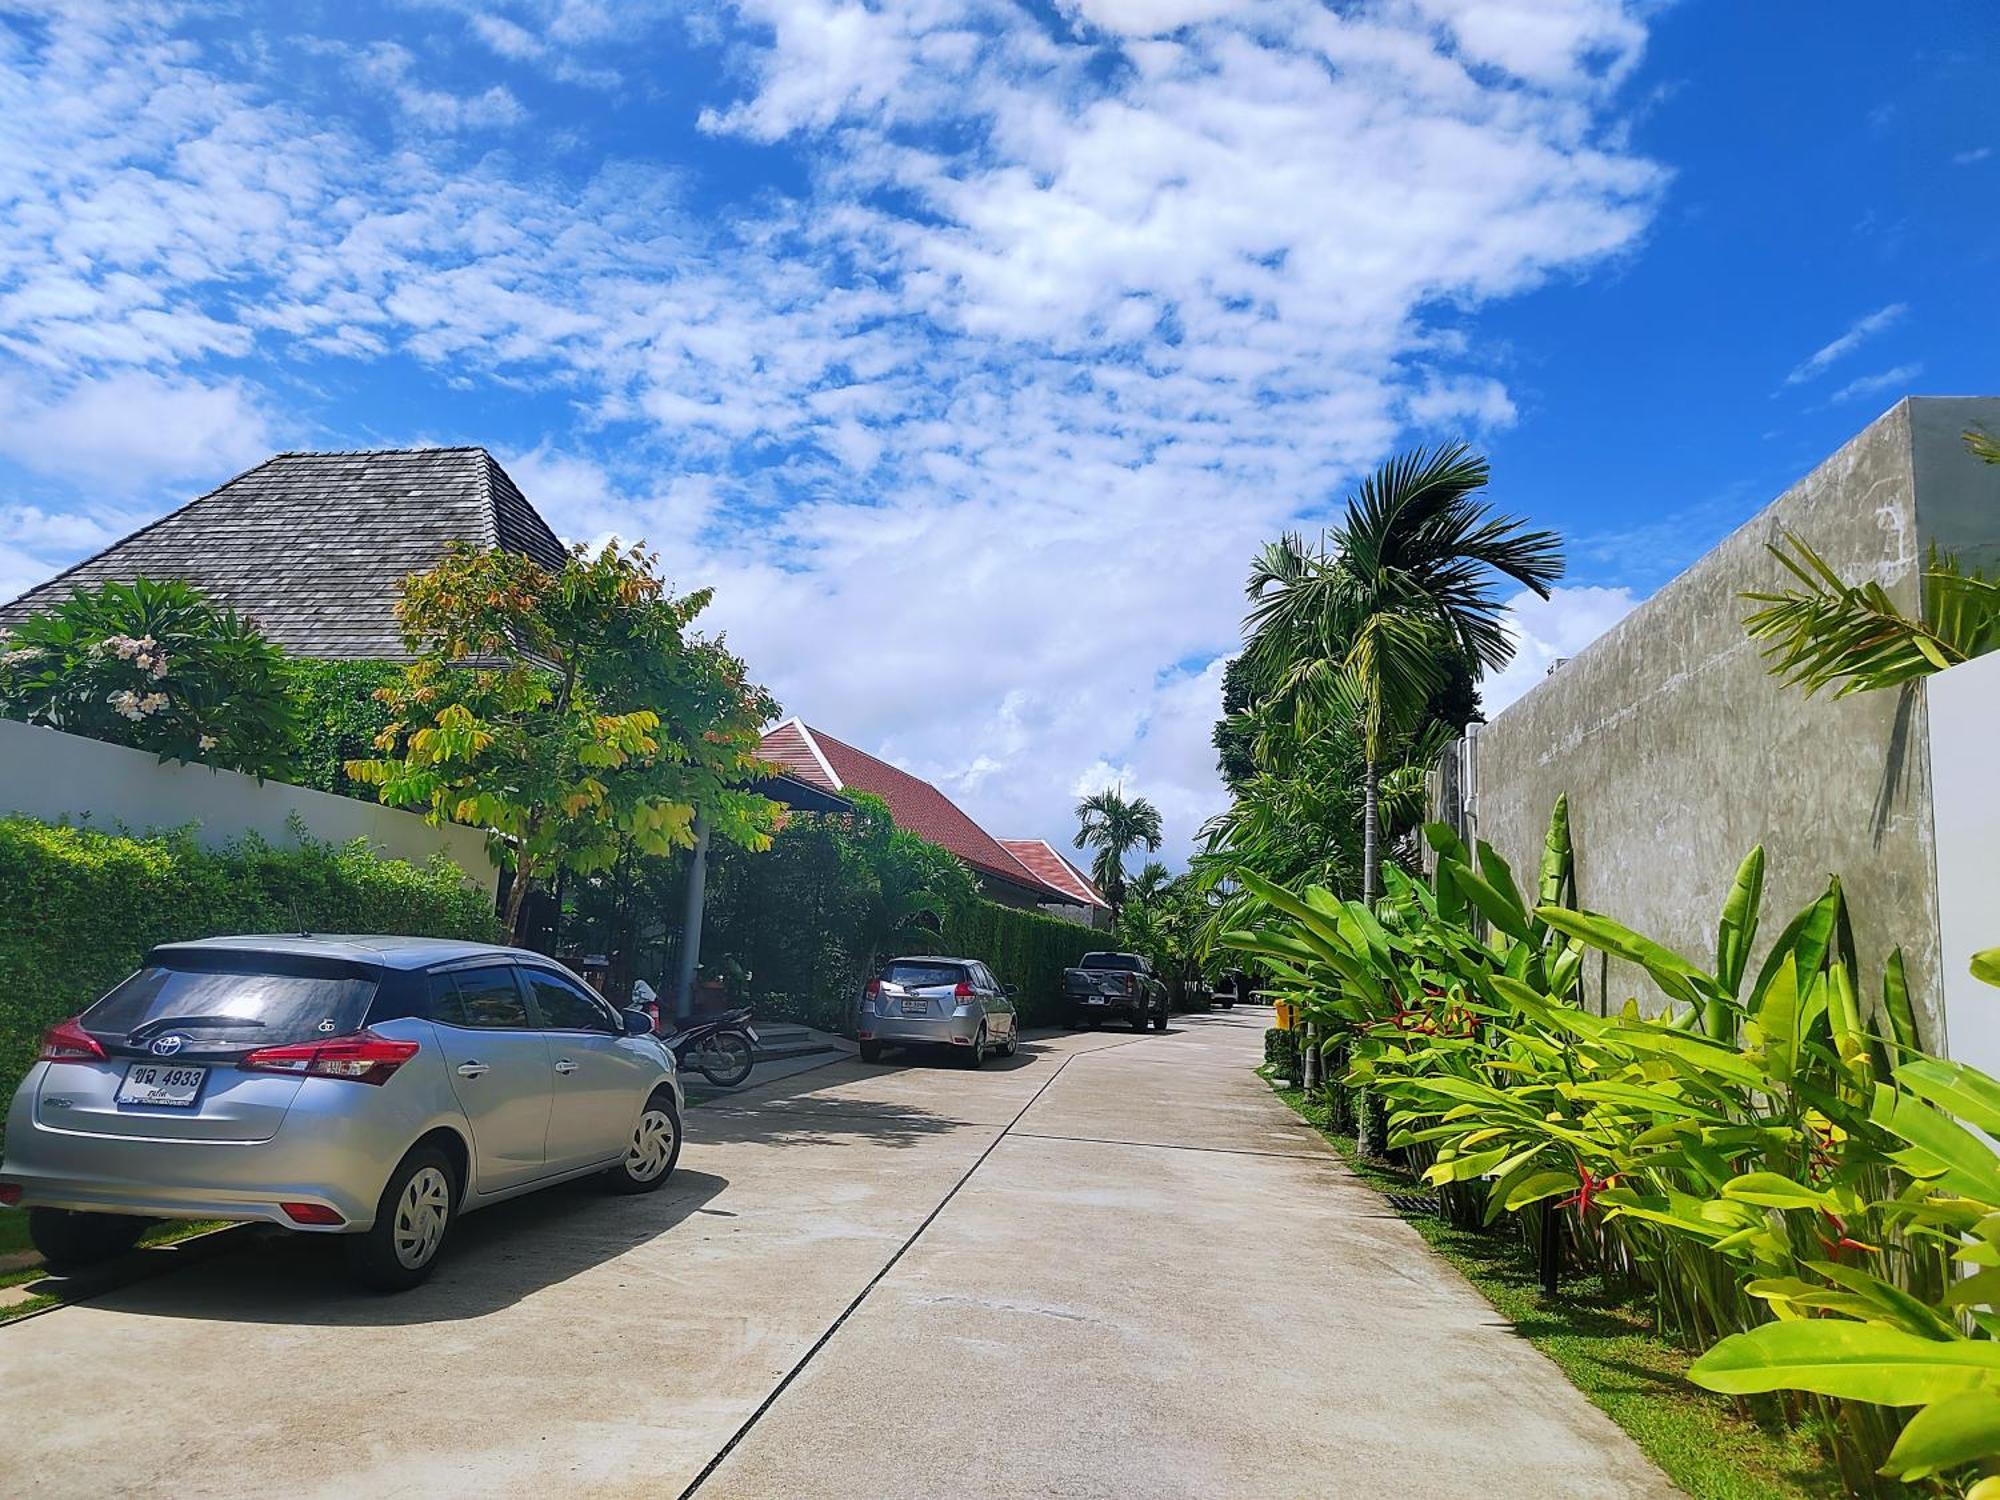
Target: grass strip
[1605, 1345]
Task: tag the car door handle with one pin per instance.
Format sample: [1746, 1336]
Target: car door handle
[565, 1066]
[472, 1070]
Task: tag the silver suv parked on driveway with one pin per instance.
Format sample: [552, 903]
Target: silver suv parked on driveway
[371, 1087]
[938, 1002]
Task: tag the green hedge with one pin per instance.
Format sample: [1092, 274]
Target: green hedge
[1281, 1051]
[82, 907]
[1022, 948]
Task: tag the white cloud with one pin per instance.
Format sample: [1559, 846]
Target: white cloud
[1971, 157]
[1547, 630]
[129, 429]
[1869, 385]
[392, 68]
[1857, 335]
[976, 437]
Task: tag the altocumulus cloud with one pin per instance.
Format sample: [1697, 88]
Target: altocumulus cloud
[973, 427]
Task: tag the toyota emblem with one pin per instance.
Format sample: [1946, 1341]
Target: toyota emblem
[167, 1046]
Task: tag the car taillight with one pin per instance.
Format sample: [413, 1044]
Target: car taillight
[10, 1193]
[872, 990]
[68, 1042]
[962, 992]
[311, 1213]
[364, 1057]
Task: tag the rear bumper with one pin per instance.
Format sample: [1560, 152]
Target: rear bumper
[327, 1156]
[1118, 1007]
[919, 1031]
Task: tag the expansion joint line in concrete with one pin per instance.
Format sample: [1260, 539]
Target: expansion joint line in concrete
[1098, 1140]
[887, 1266]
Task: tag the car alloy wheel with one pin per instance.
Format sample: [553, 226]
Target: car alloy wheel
[421, 1216]
[652, 1145]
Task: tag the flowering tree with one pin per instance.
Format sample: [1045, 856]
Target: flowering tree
[570, 711]
[156, 665]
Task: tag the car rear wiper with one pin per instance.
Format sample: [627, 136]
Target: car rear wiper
[140, 1032]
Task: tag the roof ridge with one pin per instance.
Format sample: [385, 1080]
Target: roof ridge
[489, 511]
[373, 452]
[160, 520]
[1026, 876]
[811, 737]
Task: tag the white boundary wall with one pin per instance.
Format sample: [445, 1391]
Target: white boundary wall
[1964, 706]
[65, 778]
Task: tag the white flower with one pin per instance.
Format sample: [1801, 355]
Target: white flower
[125, 702]
[125, 646]
[17, 657]
[152, 703]
[207, 742]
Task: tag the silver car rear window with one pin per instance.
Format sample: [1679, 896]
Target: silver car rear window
[261, 1007]
[922, 976]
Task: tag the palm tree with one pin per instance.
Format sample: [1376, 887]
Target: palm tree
[1153, 878]
[1366, 627]
[1114, 828]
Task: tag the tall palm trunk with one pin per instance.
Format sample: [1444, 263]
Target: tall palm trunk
[1368, 1132]
[1371, 831]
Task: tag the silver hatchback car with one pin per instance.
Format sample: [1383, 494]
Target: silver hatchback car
[371, 1087]
[938, 1002]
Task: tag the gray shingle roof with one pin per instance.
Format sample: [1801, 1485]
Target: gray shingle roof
[314, 546]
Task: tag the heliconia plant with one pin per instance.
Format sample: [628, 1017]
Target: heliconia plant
[1782, 1167]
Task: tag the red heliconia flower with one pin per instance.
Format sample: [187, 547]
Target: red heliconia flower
[1588, 1188]
[1842, 1241]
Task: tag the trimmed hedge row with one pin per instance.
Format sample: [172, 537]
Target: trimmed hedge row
[82, 907]
[1023, 948]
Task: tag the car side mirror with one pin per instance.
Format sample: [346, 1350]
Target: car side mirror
[1010, 990]
[637, 1022]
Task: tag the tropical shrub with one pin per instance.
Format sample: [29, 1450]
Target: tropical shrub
[83, 906]
[1784, 1173]
[571, 711]
[339, 717]
[153, 665]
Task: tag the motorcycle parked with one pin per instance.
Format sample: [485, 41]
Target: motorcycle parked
[720, 1048]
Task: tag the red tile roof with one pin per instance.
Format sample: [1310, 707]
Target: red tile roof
[817, 757]
[1049, 865]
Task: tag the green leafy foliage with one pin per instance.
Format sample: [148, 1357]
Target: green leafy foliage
[153, 665]
[1790, 1178]
[571, 711]
[1825, 630]
[83, 907]
[803, 923]
[339, 718]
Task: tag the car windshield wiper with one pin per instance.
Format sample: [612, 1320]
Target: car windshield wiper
[170, 1023]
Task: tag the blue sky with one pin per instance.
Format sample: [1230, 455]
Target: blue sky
[969, 347]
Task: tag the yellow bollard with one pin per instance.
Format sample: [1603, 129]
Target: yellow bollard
[1282, 1015]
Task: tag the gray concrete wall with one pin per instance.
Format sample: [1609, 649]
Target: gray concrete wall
[56, 777]
[1679, 752]
[1964, 711]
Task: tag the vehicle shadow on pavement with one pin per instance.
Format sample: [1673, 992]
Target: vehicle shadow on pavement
[493, 1259]
[806, 1121]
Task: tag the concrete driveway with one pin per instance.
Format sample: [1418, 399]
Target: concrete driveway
[1111, 1266]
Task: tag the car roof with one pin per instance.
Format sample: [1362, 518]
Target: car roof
[387, 952]
[927, 958]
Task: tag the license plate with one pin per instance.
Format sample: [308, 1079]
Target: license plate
[751, 1032]
[916, 1007]
[1095, 1000]
[148, 1083]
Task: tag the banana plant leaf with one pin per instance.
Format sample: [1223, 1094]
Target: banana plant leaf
[1853, 1361]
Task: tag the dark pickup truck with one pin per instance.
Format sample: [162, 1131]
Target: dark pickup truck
[1114, 987]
